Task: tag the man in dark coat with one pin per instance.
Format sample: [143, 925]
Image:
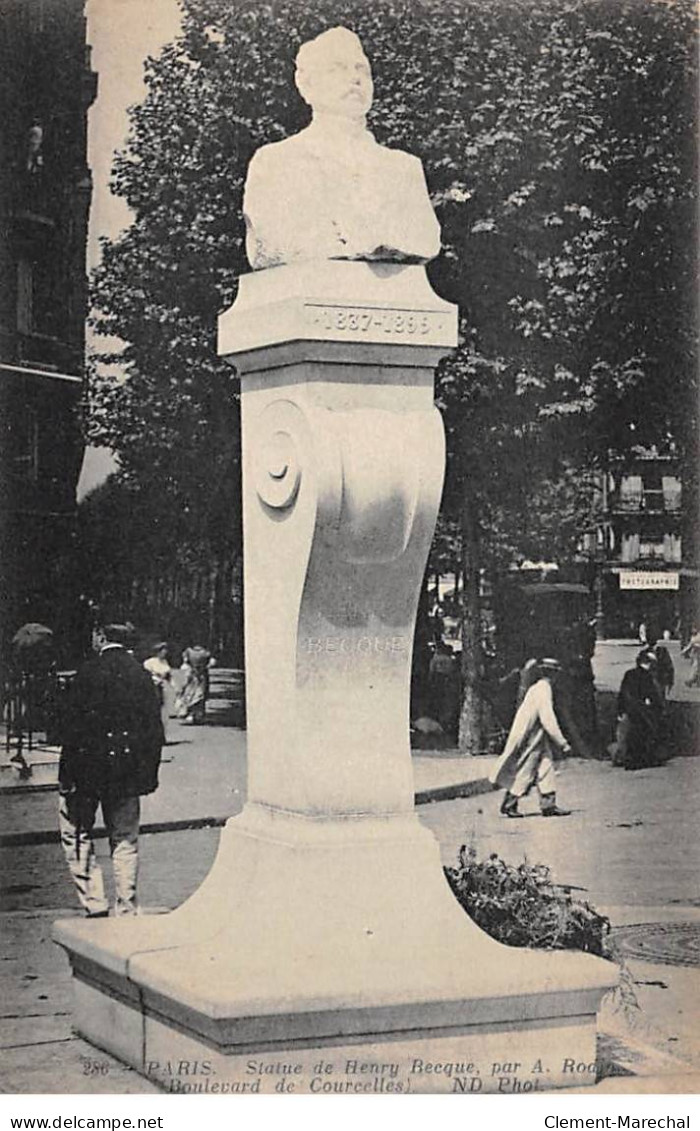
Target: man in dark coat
[110, 757]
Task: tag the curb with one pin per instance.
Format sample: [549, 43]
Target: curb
[52, 836]
[27, 787]
[453, 792]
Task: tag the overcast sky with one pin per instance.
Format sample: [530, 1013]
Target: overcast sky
[122, 34]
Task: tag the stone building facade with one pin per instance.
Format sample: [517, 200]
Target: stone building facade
[46, 88]
[646, 575]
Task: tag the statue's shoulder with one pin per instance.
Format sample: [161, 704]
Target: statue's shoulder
[399, 154]
[401, 158]
[279, 152]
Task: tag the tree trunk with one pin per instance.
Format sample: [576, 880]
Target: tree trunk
[472, 739]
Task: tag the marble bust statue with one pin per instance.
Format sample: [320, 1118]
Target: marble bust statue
[331, 191]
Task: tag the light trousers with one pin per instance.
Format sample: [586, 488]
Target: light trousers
[536, 770]
[76, 818]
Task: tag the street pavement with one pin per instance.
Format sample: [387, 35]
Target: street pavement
[203, 781]
[613, 657]
[629, 847]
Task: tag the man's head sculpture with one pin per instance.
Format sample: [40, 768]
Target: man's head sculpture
[331, 191]
[333, 74]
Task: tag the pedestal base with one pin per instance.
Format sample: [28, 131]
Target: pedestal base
[352, 952]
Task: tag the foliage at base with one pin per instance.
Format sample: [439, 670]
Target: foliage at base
[520, 905]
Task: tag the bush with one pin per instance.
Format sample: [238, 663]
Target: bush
[521, 906]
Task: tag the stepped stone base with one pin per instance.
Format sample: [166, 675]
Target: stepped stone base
[352, 952]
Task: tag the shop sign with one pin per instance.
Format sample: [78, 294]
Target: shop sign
[647, 579]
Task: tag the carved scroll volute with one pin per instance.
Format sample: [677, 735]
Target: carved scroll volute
[340, 510]
[292, 445]
[366, 468]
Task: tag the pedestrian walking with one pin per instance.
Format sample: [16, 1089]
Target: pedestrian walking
[527, 760]
[110, 758]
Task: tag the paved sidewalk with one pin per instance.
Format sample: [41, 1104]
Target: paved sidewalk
[630, 847]
[200, 759]
[613, 658]
[631, 843]
[203, 782]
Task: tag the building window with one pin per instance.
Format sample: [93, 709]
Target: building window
[671, 487]
[25, 296]
[653, 493]
[652, 549]
[672, 548]
[630, 548]
[631, 492]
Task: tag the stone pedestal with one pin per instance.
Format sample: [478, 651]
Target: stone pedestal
[325, 934]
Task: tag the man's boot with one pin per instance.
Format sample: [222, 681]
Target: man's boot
[509, 806]
[549, 807]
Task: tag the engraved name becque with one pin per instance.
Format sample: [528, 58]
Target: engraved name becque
[365, 320]
[353, 645]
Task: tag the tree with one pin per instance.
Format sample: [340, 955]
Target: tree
[560, 361]
[557, 136]
[137, 560]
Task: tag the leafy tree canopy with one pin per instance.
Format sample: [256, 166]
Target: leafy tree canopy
[558, 141]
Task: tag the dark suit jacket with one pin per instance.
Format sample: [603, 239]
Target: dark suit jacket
[665, 672]
[640, 697]
[113, 730]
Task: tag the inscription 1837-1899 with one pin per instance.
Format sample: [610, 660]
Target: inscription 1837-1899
[369, 321]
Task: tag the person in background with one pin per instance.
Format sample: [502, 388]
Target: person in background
[692, 653]
[160, 672]
[110, 757]
[443, 687]
[437, 624]
[420, 664]
[664, 670]
[527, 759]
[640, 708]
[192, 699]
